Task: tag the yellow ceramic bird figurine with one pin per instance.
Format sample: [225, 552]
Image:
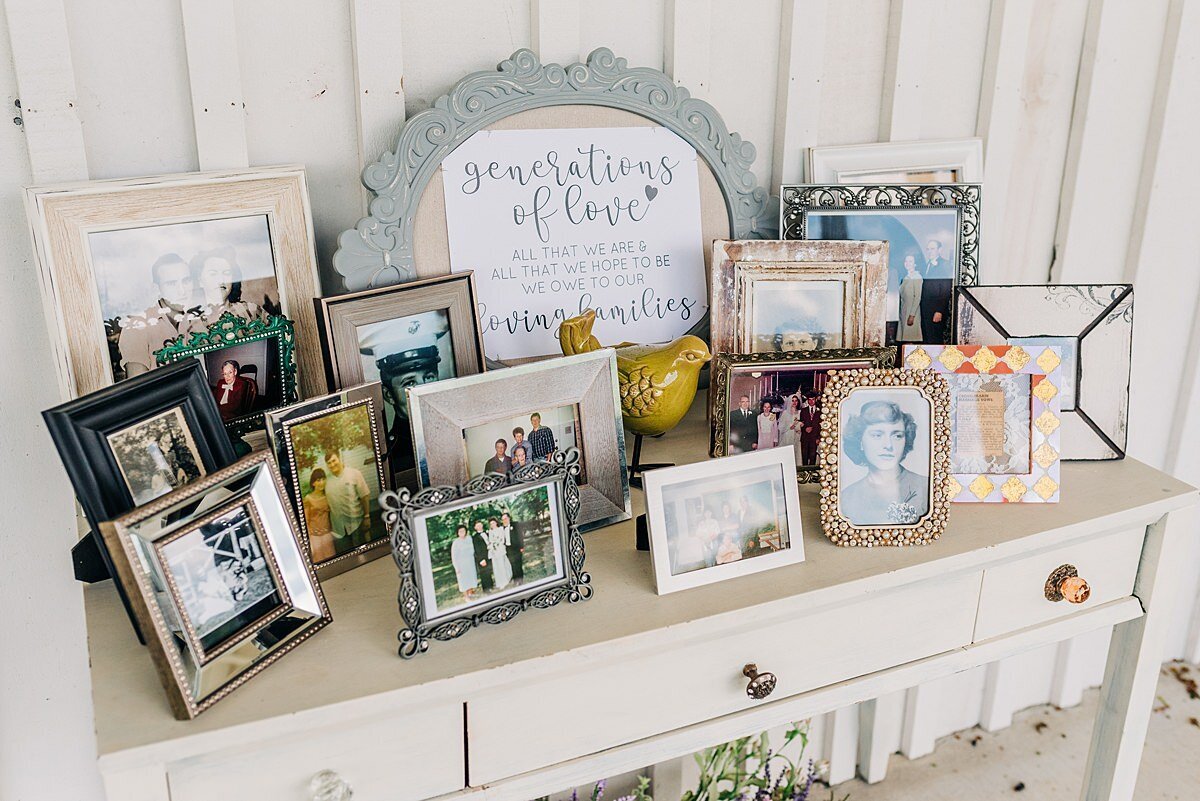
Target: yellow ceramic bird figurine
[657, 382]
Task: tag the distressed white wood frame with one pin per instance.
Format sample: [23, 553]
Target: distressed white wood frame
[441, 412]
[1099, 317]
[848, 164]
[62, 215]
[660, 553]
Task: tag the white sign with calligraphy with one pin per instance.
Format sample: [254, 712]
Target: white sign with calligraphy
[557, 221]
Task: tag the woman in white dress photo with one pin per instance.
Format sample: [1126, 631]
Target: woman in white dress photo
[497, 547]
[768, 428]
[790, 425]
[910, 302]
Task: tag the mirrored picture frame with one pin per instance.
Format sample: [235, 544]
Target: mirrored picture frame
[218, 559]
[420, 522]
[443, 412]
[772, 296]
[933, 236]
[889, 415]
[937, 161]
[1092, 324]
[434, 334]
[1004, 418]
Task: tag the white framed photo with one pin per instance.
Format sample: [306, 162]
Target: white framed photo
[722, 518]
[940, 161]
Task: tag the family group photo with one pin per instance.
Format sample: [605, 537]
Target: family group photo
[885, 462]
[725, 519]
[161, 282]
[485, 551]
[510, 443]
[336, 467]
[921, 269]
[221, 578]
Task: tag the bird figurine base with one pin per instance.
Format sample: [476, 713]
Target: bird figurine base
[636, 468]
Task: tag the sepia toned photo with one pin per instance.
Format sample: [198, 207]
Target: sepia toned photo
[884, 461]
[484, 551]
[221, 577]
[797, 315]
[990, 417]
[160, 282]
[510, 443]
[156, 455]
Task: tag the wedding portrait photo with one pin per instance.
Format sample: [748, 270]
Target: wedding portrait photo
[797, 315]
[921, 263]
[507, 444]
[480, 552]
[400, 353]
[220, 577]
[337, 472]
[885, 462]
[159, 282]
[156, 455]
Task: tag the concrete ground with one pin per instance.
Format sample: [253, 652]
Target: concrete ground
[1041, 756]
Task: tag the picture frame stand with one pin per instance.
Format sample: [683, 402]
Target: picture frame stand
[642, 533]
[636, 468]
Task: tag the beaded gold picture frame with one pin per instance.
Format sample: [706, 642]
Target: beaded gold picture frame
[885, 457]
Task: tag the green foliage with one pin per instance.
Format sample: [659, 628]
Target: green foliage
[524, 507]
[341, 430]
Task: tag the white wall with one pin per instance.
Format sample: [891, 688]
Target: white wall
[1090, 111]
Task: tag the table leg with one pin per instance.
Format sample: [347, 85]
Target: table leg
[1131, 674]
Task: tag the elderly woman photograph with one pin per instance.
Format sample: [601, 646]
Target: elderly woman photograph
[880, 437]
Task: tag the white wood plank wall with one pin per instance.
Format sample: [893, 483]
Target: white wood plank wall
[1089, 110]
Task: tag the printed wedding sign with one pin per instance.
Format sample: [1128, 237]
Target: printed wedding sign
[554, 222]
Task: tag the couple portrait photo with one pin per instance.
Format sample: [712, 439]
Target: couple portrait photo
[489, 550]
[161, 282]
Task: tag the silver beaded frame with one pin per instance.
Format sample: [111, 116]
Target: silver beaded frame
[936, 390]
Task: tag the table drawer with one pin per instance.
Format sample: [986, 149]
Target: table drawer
[405, 757]
[590, 704]
[1014, 597]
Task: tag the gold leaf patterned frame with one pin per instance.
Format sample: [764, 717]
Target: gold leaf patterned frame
[936, 391]
[1043, 366]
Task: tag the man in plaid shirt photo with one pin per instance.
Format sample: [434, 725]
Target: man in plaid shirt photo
[541, 439]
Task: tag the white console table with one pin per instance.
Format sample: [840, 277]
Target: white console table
[569, 695]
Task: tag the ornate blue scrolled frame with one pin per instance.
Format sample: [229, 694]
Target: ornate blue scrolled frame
[378, 251]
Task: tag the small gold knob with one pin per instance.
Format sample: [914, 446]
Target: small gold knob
[761, 684]
[1065, 584]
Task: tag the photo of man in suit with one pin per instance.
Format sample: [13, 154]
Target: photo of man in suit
[937, 287]
[810, 428]
[743, 427]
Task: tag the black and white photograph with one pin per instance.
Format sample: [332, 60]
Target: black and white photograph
[510, 443]
[401, 353]
[798, 315]
[160, 282]
[921, 263]
[483, 551]
[724, 517]
[884, 462]
[245, 378]
[156, 455]
[220, 575]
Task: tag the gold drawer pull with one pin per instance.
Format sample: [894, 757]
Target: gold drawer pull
[761, 684]
[1065, 584]
[328, 786]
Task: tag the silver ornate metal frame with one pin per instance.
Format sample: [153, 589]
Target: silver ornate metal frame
[401, 509]
[378, 251]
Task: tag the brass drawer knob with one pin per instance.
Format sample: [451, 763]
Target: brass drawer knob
[1065, 584]
[761, 684]
[328, 786]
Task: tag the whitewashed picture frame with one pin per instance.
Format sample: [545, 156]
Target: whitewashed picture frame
[942, 161]
[754, 464]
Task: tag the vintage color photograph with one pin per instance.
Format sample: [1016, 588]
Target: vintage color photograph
[884, 460]
[245, 378]
[220, 575]
[488, 550]
[156, 455]
[921, 268]
[501, 446]
[725, 518]
[797, 315]
[778, 407]
[335, 462]
[401, 353]
[163, 281]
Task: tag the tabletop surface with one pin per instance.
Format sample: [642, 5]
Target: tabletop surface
[356, 655]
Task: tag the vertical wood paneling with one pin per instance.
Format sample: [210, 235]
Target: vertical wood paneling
[45, 76]
[554, 29]
[940, 707]
[855, 32]
[797, 88]
[1079, 665]
[1013, 684]
[378, 78]
[687, 51]
[880, 729]
[633, 29]
[841, 743]
[909, 47]
[218, 109]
